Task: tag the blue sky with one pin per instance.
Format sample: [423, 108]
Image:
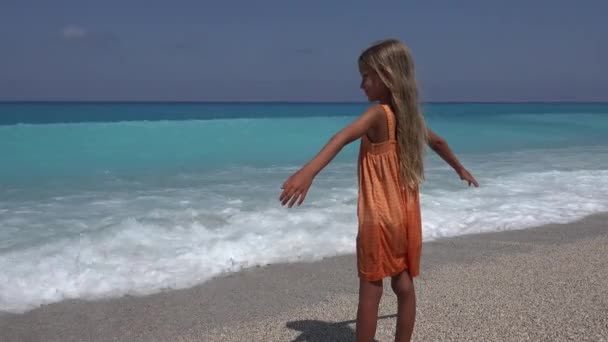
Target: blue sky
[466, 50]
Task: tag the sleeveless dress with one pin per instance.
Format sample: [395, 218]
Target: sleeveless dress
[389, 240]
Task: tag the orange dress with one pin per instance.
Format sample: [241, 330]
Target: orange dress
[389, 240]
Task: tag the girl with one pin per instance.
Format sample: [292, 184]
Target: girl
[390, 169]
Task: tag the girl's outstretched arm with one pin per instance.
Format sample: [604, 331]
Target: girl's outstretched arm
[441, 147]
[296, 187]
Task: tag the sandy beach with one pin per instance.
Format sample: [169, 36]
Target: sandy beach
[542, 284]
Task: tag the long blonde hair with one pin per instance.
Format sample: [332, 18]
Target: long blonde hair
[392, 61]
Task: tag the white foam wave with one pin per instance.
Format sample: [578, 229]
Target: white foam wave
[140, 243]
[515, 202]
[161, 250]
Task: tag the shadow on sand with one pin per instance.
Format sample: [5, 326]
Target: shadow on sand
[320, 331]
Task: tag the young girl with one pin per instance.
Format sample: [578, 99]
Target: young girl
[390, 169]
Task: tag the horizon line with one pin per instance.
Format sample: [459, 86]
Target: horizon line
[281, 102]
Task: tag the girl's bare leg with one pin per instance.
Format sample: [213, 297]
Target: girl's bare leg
[403, 286]
[367, 313]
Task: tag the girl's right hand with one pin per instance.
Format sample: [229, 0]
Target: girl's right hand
[296, 187]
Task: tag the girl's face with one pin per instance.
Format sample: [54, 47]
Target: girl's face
[373, 87]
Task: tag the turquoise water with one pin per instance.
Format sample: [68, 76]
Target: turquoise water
[101, 200]
[104, 142]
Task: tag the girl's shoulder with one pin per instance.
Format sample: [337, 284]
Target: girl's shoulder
[378, 112]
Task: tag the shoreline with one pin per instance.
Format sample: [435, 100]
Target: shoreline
[276, 298]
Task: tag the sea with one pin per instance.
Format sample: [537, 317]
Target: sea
[103, 200]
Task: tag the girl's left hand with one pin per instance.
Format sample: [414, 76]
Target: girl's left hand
[466, 176]
[296, 187]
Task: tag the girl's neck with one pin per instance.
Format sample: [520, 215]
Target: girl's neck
[385, 100]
